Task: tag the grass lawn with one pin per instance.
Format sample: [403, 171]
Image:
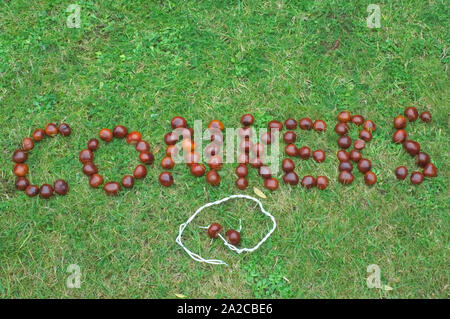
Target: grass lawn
[139, 63]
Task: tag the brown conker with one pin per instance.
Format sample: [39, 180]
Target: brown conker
[416, 178]
[425, 117]
[27, 144]
[241, 183]
[106, 134]
[247, 119]
[411, 113]
[214, 229]
[308, 181]
[120, 131]
[51, 130]
[198, 169]
[134, 137]
[38, 135]
[344, 141]
[165, 179]
[233, 237]
[96, 180]
[364, 165]
[146, 157]
[128, 181]
[370, 178]
[178, 122]
[345, 177]
[399, 136]
[32, 190]
[112, 188]
[322, 182]
[290, 150]
[305, 123]
[213, 178]
[64, 129]
[86, 155]
[290, 124]
[344, 117]
[46, 191]
[430, 170]
[93, 144]
[20, 169]
[271, 183]
[319, 126]
[242, 170]
[19, 156]
[290, 178]
[287, 165]
[167, 162]
[61, 187]
[400, 122]
[22, 183]
[318, 156]
[401, 172]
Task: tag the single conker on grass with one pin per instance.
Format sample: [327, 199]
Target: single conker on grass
[93, 144]
[170, 138]
[304, 152]
[213, 178]
[370, 178]
[22, 183]
[416, 178]
[61, 187]
[318, 156]
[27, 144]
[291, 150]
[359, 144]
[365, 135]
[86, 155]
[411, 113]
[422, 159]
[290, 124]
[266, 138]
[401, 172]
[319, 126]
[64, 129]
[357, 120]
[198, 169]
[345, 177]
[305, 123]
[134, 137]
[399, 136]
[140, 172]
[120, 131]
[106, 135]
[165, 179]
[233, 237]
[290, 178]
[425, 117]
[32, 190]
[247, 119]
[308, 181]
[96, 180]
[112, 188]
[343, 156]
[89, 169]
[275, 125]
[216, 124]
[344, 141]
[322, 182]
[20, 169]
[214, 229]
[265, 171]
[289, 137]
[369, 125]
[355, 156]
[400, 122]
[146, 157]
[128, 181]
[364, 165]
[287, 165]
[242, 170]
[167, 162]
[215, 162]
[241, 183]
[430, 170]
[345, 166]
[38, 135]
[46, 191]
[178, 122]
[51, 129]
[19, 156]
[271, 183]
[412, 147]
[344, 117]
[341, 128]
[142, 146]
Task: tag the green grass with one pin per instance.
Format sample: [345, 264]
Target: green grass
[139, 63]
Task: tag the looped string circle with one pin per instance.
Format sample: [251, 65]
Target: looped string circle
[199, 258]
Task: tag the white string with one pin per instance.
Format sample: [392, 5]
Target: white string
[199, 258]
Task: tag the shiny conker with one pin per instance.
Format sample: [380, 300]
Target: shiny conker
[290, 178]
[165, 179]
[265, 171]
[289, 137]
[275, 125]
[170, 138]
[22, 183]
[247, 119]
[61, 187]
[271, 183]
[370, 178]
[198, 169]
[399, 136]
[242, 170]
[216, 124]
[51, 129]
[93, 144]
[112, 188]
[364, 165]
[146, 157]
[344, 141]
[20, 169]
[345, 177]
[357, 120]
[27, 144]
[359, 144]
[266, 138]
[86, 155]
[412, 147]
[308, 181]
[213, 178]
[178, 122]
[355, 156]
[290, 150]
[290, 124]
[89, 169]
[319, 126]
[345, 166]
[46, 191]
[305, 123]
[256, 162]
[241, 183]
[106, 135]
[32, 190]
[214, 229]
[140, 172]
[341, 128]
[142, 146]
[416, 178]
[411, 113]
[233, 237]
[64, 129]
[120, 131]
[96, 180]
[318, 156]
[215, 162]
[167, 162]
[422, 159]
[344, 117]
[19, 156]
[430, 170]
[304, 152]
[287, 165]
[425, 117]
[128, 181]
[38, 135]
[400, 122]
[369, 125]
[134, 137]
[401, 172]
[343, 156]
[322, 182]
[365, 135]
